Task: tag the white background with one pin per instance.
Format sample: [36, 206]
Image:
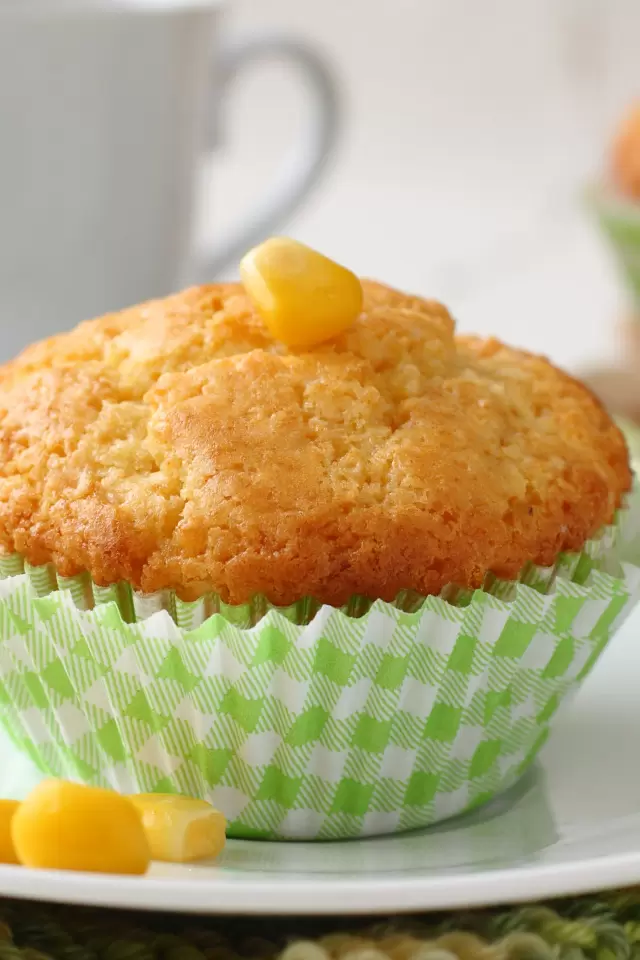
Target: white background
[470, 131]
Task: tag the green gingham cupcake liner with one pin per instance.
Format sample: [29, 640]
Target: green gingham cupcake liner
[307, 722]
[619, 219]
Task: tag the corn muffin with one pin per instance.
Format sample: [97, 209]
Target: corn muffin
[302, 437]
[177, 445]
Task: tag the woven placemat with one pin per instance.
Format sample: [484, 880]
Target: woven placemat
[604, 928]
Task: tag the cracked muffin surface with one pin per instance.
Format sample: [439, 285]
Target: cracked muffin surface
[178, 445]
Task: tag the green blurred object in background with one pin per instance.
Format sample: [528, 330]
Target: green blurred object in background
[619, 220]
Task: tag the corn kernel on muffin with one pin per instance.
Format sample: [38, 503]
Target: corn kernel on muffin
[177, 445]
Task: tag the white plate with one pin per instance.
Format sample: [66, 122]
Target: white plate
[572, 826]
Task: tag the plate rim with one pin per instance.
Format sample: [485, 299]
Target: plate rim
[239, 896]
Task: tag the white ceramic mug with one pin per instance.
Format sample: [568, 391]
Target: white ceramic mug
[106, 107]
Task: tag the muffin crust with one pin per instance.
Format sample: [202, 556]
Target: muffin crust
[176, 445]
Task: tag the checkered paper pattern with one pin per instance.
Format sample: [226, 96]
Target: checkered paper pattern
[343, 726]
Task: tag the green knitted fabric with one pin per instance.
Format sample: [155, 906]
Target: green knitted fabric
[605, 927]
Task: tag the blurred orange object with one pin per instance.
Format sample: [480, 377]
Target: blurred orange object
[625, 154]
[628, 333]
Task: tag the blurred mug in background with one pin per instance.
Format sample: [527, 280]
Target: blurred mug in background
[106, 108]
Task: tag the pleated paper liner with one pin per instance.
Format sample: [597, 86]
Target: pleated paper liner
[308, 722]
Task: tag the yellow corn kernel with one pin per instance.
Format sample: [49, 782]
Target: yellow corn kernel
[65, 826]
[303, 297]
[180, 829]
[7, 851]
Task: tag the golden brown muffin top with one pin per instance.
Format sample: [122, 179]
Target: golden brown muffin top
[177, 445]
[625, 154]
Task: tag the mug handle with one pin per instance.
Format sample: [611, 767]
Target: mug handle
[304, 165]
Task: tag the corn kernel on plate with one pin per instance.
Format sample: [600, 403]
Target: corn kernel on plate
[571, 827]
